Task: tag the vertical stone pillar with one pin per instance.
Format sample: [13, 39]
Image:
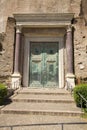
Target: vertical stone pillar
[70, 77]
[21, 64]
[16, 77]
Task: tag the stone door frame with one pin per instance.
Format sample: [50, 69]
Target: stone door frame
[61, 57]
[47, 20]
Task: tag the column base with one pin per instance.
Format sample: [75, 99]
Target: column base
[16, 80]
[70, 81]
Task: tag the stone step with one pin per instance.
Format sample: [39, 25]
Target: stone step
[44, 91]
[41, 106]
[42, 109]
[42, 102]
[43, 98]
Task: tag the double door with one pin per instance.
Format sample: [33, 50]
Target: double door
[44, 60]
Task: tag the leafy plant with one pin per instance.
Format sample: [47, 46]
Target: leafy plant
[3, 93]
[82, 89]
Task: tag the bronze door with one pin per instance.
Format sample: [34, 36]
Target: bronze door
[44, 64]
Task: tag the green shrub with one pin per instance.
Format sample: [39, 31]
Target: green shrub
[3, 93]
[82, 89]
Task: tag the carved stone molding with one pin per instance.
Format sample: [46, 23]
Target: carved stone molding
[48, 19]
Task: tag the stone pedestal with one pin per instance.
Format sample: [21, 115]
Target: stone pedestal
[70, 81]
[16, 81]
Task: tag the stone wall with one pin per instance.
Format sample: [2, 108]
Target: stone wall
[80, 48]
[6, 54]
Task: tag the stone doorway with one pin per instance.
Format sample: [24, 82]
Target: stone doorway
[59, 30]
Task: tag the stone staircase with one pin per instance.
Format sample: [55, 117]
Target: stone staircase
[44, 101]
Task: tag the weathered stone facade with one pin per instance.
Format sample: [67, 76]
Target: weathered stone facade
[6, 54]
[80, 48]
[7, 24]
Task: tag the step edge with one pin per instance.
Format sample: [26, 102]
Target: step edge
[75, 113]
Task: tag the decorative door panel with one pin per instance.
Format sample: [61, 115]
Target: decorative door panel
[44, 64]
[52, 64]
[35, 64]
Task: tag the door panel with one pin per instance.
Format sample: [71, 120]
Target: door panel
[44, 64]
[52, 64]
[35, 65]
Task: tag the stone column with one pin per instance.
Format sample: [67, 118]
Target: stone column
[16, 77]
[70, 77]
[21, 64]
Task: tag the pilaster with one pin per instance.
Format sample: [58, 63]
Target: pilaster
[70, 77]
[16, 77]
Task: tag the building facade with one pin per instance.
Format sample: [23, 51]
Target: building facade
[43, 43]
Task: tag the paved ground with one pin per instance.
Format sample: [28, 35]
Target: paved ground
[8, 119]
